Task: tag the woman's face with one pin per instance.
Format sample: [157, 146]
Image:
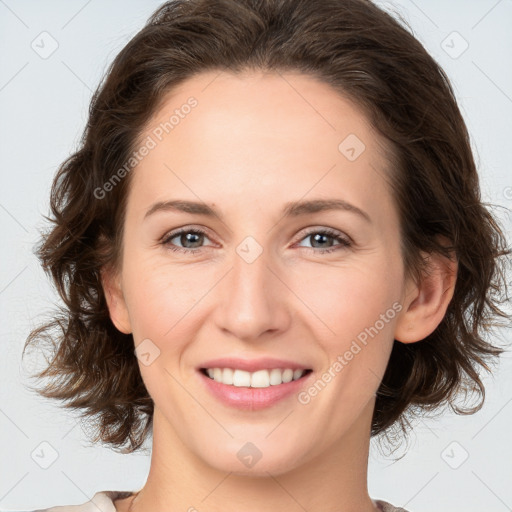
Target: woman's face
[264, 281]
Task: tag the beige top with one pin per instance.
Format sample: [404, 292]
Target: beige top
[103, 501]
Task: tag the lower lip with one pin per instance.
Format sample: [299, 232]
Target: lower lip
[253, 399]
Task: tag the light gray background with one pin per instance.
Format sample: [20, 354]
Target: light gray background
[44, 104]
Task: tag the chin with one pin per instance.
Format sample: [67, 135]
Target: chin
[253, 459]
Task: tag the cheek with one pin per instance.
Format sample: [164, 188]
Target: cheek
[357, 342]
[346, 300]
[160, 297]
[161, 302]
[356, 307]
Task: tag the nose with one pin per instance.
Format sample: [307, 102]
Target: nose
[253, 301]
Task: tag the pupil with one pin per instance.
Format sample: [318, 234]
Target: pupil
[187, 238]
[319, 235]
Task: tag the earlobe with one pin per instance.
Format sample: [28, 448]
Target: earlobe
[115, 301]
[426, 302]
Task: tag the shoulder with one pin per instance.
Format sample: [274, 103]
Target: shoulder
[102, 501]
[387, 507]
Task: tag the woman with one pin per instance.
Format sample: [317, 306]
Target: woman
[341, 271]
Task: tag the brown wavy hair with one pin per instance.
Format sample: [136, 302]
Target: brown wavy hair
[371, 59]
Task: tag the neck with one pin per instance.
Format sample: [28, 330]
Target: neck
[336, 479]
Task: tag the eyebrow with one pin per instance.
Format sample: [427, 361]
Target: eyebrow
[291, 209]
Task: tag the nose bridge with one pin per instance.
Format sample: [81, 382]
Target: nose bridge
[252, 301]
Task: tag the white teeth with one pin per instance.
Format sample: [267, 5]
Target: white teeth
[258, 379]
[227, 376]
[241, 378]
[276, 377]
[288, 375]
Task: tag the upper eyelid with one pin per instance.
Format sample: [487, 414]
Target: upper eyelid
[175, 232]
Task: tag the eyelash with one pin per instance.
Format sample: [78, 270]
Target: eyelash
[344, 242]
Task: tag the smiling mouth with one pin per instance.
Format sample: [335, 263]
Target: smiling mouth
[257, 379]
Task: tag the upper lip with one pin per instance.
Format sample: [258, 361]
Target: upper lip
[252, 365]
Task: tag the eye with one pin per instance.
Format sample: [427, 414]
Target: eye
[320, 238]
[192, 240]
[187, 237]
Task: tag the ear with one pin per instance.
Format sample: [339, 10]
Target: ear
[114, 296]
[426, 302]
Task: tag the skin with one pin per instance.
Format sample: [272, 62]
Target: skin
[254, 142]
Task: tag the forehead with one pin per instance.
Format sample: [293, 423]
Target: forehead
[249, 101]
[266, 134]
